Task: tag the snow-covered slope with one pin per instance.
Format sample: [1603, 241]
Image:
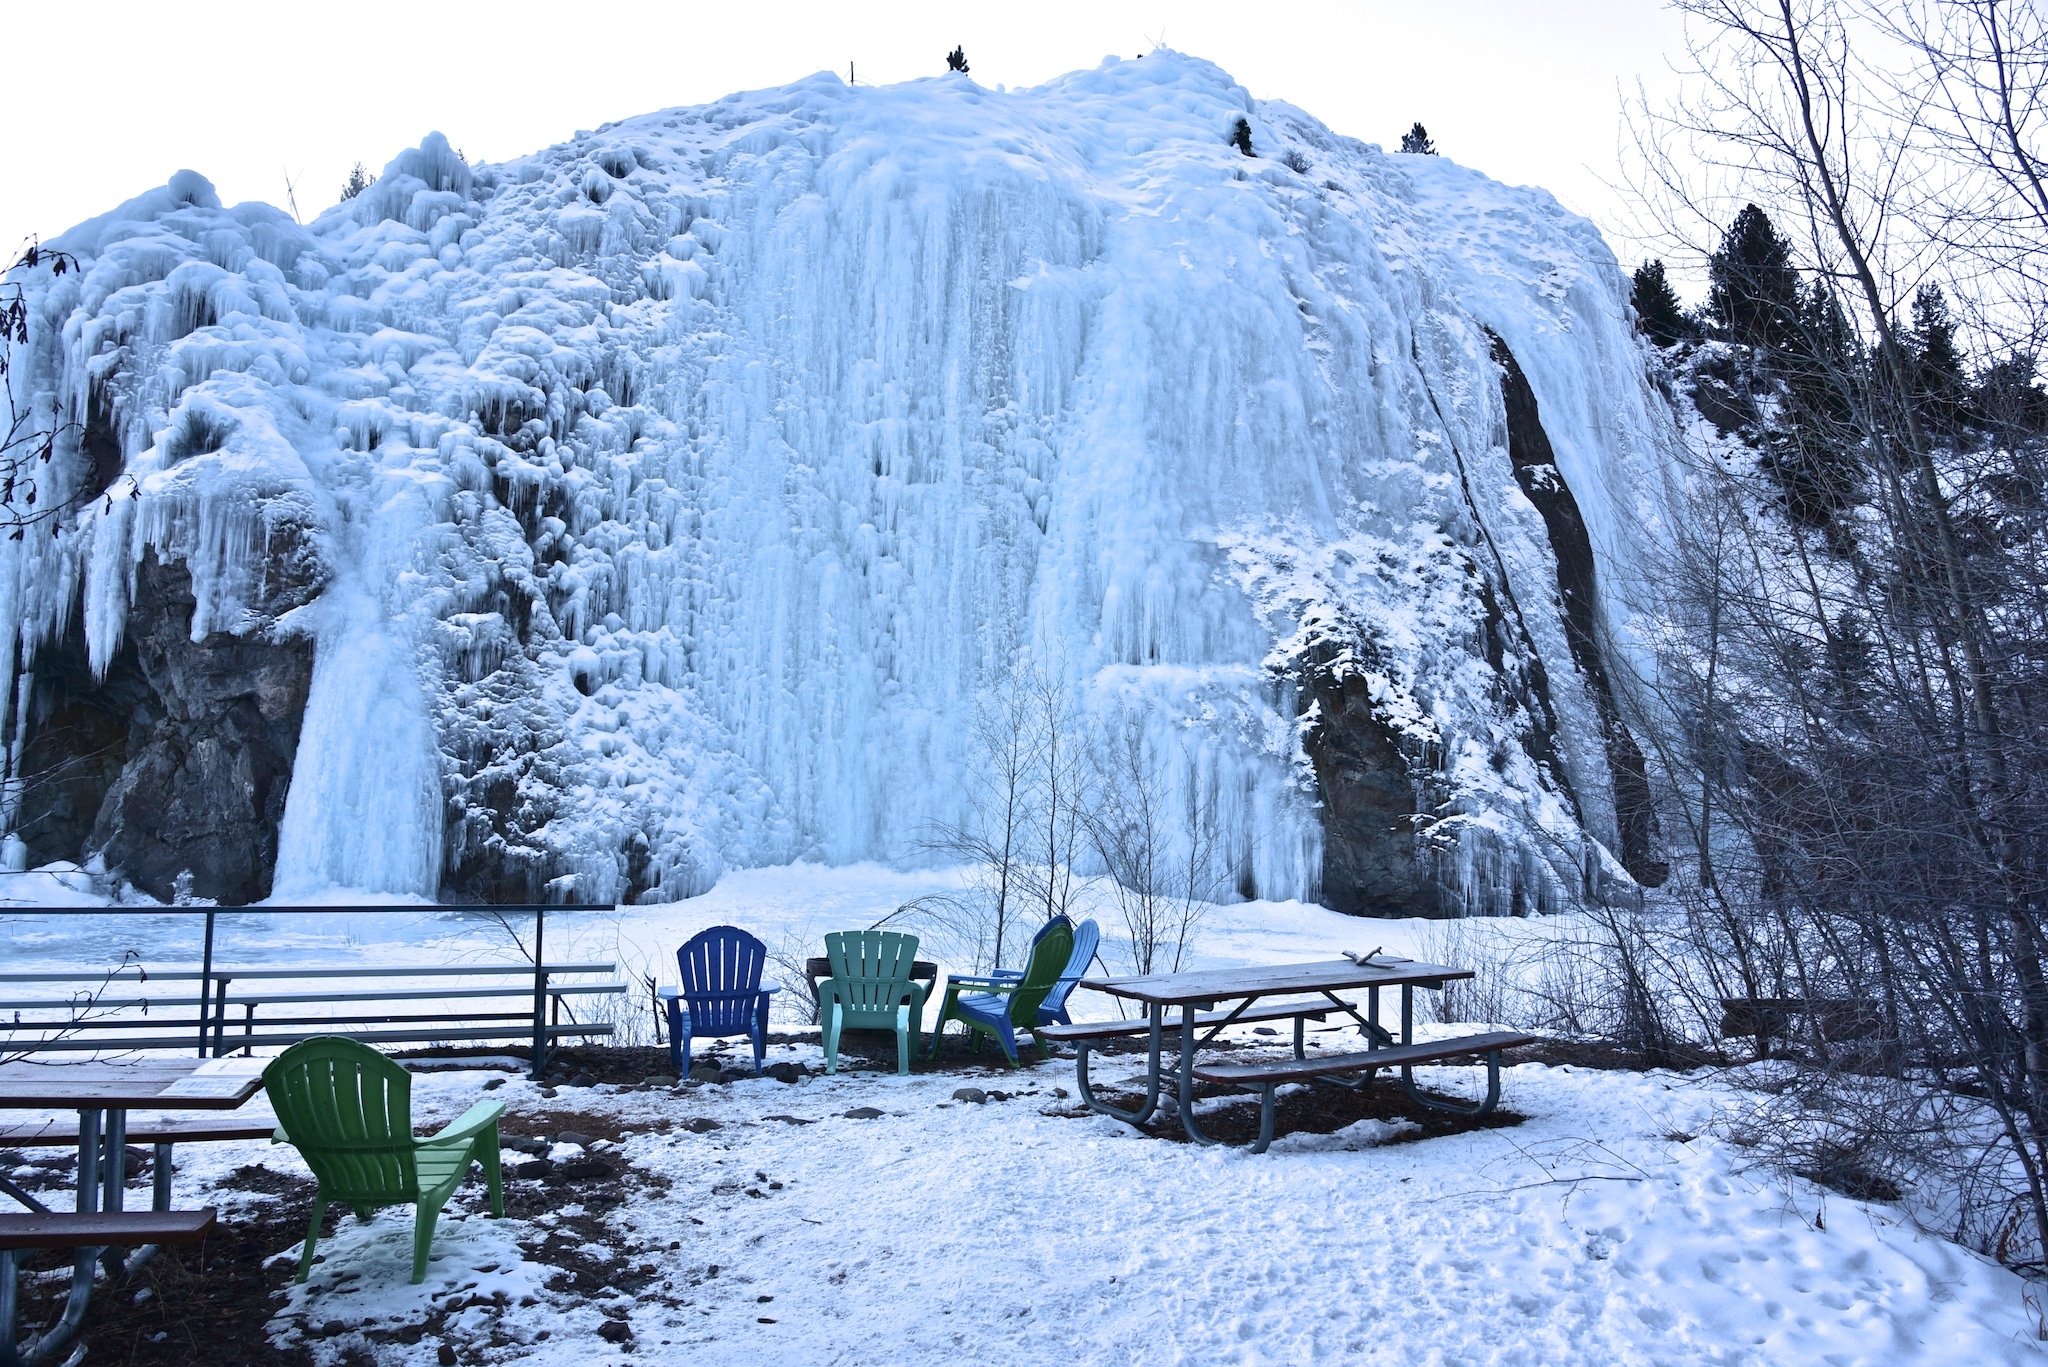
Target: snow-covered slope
[664, 501]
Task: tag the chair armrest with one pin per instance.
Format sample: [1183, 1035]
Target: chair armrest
[770, 987]
[984, 980]
[473, 1122]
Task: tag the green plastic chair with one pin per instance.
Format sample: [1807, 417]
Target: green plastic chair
[871, 989]
[348, 1111]
[1004, 1006]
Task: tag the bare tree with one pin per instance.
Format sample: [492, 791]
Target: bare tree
[1159, 843]
[993, 838]
[1854, 727]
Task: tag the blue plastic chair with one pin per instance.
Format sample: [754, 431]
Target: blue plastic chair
[722, 994]
[1010, 1004]
[1053, 1010]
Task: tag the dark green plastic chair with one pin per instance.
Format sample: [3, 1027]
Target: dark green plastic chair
[1006, 1006]
[348, 1111]
[871, 989]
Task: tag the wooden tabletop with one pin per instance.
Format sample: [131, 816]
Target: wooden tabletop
[1266, 980]
[155, 1084]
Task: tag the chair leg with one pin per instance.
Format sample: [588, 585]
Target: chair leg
[683, 1033]
[312, 1237]
[423, 1239]
[833, 1019]
[760, 1038]
[675, 1038]
[902, 1041]
[1007, 1037]
[488, 1154]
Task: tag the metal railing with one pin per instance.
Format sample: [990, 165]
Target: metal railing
[93, 1024]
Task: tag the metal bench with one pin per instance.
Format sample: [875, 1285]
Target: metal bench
[87, 1233]
[1269, 1075]
[162, 1134]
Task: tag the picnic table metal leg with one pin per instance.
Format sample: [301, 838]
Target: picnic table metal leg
[1187, 1077]
[1265, 1138]
[1156, 1014]
[42, 1349]
[160, 1179]
[1484, 1107]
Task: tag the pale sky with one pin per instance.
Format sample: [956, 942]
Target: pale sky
[107, 102]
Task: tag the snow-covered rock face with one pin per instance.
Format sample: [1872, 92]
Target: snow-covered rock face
[679, 488]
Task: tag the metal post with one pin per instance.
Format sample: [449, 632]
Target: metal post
[88, 1161]
[1407, 1013]
[206, 985]
[540, 997]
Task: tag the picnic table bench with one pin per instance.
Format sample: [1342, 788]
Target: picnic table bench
[161, 1134]
[1197, 994]
[87, 1232]
[1084, 1035]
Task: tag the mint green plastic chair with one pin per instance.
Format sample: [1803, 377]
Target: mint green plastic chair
[871, 989]
[348, 1111]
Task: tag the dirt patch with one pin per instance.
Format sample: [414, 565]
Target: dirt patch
[207, 1303]
[1322, 1108]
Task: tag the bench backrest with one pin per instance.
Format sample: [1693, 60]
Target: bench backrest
[348, 1111]
[721, 979]
[870, 967]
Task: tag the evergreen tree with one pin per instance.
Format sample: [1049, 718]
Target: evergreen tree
[1658, 312]
[1417, 140]
[1941, 391]
[1241, 137]
[1752, 290]
[956, 60]
[359, 180]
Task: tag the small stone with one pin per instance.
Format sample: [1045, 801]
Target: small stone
[532, 1169]
[578, 1138]
[864, 1113]
[1060, 1092]
[786, 1072]
[763, 1319]
[493, 1085]
[1264, 1030]
[705, 1072]
[519, 1143]
[763, 1300]
[548, 1093]
[445, 1355]
[998, 1096]
[974, 1096]
[587, 1170]
[702, 1124]
[583, 1080]
[615, 1331]
[658, 1080]
[333, 1329]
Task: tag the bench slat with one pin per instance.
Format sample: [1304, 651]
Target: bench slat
[1273, 1011]
[118, 1228]
[57, 1136]
[1281, 1070]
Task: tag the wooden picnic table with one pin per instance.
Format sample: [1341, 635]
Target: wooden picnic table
[103, 1093]
[921, 970]
[1197, 992]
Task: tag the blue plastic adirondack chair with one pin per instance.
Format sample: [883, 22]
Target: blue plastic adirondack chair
[1053, 1010]
[722, 994]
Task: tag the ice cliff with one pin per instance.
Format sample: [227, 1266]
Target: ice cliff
[663, 502]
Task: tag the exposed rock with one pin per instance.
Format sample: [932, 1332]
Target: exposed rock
[972, 1095]
[1536, 471]
[180, 758]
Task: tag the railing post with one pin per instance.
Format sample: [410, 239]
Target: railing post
[206, 985]
[540, 996]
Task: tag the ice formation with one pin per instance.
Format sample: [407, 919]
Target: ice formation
[677, 490]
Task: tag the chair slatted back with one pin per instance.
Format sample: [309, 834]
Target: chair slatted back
[348, 1111]
[1049, 956]
[721, 979]
[871, 966]
[1087, 939]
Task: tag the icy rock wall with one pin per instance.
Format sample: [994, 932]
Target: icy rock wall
[683, 486]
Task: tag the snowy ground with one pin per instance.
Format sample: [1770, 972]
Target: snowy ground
[1613, 1226]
